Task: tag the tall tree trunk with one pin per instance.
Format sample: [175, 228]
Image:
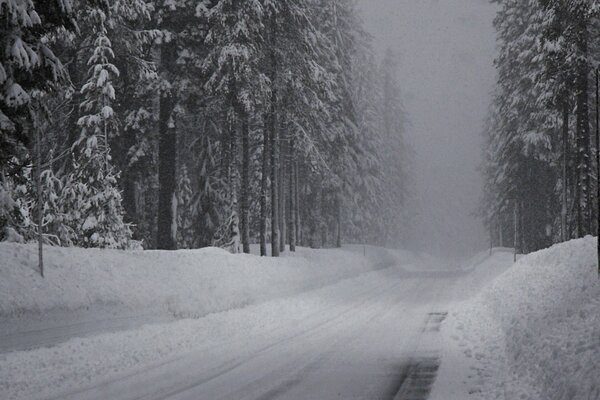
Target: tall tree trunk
[315, 219]
[322, 230]
[282, 195]
[274, 141]
[40, 212]
[583, 139]
[297, 202]
[292, 196]
[491, 236]
[245, 192]
[516, 229]
[565, 169]
[127, 139]
[338, 206]
[167, 160]
[73, 129]
[274, 146]
[522, 229]
[589, 189]
[231, 166]
[598, 165]
[500, 233]
[263, 192]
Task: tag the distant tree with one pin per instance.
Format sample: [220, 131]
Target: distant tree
[537, 157]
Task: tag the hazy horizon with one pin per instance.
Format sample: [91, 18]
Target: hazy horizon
[446, 71]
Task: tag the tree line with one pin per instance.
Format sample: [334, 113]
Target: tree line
[189, 123]
[541, 156]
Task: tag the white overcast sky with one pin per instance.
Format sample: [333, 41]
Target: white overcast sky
[447, 49]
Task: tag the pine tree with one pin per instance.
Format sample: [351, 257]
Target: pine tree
[93, 183]
[220, 95]
[236, 81]
[534, 164]
[179, 49]
[28, 68]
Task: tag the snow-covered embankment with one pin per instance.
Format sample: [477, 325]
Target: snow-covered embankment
[189, 283]
[534, 333]
[82, 284]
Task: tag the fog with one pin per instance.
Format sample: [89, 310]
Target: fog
[446, 50]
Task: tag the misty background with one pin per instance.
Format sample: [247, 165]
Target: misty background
[446, 50]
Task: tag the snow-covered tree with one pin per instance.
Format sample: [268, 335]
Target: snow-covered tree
[28, 69]
[537, 159]
[182, 104]
[92, 186]
[235, 80]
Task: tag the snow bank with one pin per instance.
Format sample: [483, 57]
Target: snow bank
[534, 333]
[187, 282]
[184, 283]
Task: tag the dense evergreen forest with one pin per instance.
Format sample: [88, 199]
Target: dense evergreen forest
[541, 159]
[188, 123]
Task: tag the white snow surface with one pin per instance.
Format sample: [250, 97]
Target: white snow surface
[533, 333]
[190, 283]
[319, 324]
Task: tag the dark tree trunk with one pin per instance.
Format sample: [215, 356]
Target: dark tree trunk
[516, 230]
[321, 224]
[598, 166]
[282, 196]
[583, 139]
[522, 229]
[292, 197]
[491, 234]
[167, 160]
[338, 206]
[500, 233]
[245, 192]
[297, 208]
[274, 144]
[565, 169]
[263, 193]
[73, 129]
[38, 186]
[315, 219]
[233, 183]
[127, 139]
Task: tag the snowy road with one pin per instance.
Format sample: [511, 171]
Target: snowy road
[375, 336]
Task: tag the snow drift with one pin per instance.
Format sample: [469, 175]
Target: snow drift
[534, 333]
[82, 284]
[189, 283]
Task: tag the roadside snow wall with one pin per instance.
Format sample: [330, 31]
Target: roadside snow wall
[534, 333]
[189, 283]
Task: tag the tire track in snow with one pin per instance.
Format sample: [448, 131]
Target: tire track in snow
[119, 387]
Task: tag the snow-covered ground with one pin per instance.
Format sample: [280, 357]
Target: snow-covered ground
[356, 323]
[188, 282]
[102, 310]
[533, 333]
[85, 291]
[323, 322]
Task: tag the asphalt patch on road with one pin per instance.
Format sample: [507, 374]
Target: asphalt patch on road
[434, 320]
[415, 379]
